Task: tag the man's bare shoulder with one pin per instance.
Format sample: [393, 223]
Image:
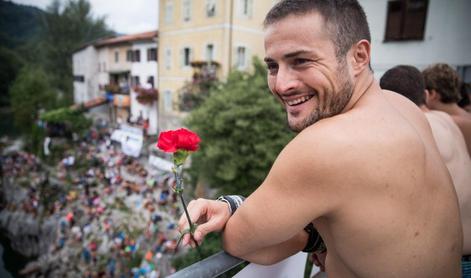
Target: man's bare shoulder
[463, 120]
[330, 146]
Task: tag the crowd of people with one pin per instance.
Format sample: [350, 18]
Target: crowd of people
[116, 215]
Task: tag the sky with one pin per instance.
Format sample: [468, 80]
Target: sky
[126, 17]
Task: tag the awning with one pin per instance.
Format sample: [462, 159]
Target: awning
[90, 103]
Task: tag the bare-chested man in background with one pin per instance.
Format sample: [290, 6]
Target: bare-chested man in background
[408, 81]
[364, 168]
[443, 84]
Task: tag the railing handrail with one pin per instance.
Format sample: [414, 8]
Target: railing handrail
[210, 267]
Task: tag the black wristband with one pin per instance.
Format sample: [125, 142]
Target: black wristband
[315, 243]
[234, 202]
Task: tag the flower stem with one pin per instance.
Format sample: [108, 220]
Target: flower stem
[190, 223]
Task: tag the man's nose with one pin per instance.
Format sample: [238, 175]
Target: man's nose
[286, 81]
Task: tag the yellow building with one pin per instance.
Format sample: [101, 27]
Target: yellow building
[228, 32]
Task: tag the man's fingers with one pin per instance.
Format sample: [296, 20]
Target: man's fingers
[183, 222]
[214, 224]
[198, 209]
[186, 239]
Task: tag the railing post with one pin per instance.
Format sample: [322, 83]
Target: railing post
[210, 267]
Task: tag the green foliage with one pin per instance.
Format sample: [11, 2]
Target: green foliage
[18, 23]
[72, 119]
[10, 64]
[30, 93]
[66, 28]
[243, 129]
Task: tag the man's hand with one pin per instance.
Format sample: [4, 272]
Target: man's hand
[210, 215]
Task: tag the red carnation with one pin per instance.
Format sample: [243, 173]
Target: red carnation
[180, 139]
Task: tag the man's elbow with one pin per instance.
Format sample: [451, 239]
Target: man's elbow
[232, 248]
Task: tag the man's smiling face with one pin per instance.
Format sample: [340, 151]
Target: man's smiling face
[303, 70]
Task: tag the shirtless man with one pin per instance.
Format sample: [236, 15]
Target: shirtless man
[442, 84]
[408, 81]
[364, 168]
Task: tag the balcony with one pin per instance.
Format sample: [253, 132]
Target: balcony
[204, 71]
[146, 96]
[114, 89]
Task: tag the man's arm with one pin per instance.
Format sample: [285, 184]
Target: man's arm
[278, 252]
[297, 190]
[212, 216]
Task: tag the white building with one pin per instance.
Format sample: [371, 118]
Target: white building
[85, 72]
[144, 74]
[419, 33]
[129, 64]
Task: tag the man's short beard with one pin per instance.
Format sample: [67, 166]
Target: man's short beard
[336, 103]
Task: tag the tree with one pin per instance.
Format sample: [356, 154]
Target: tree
[243, 129]
[10, 64]
[30, 93]
[66, 28]
[72, 120]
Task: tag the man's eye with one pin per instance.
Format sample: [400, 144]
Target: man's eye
[300, 61]
[272, 68]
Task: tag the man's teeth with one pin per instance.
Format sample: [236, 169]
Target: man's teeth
[298, 100]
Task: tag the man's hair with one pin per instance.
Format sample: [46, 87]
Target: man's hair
[405, 80]
[444, 80]
[345, 20]
[464, 92]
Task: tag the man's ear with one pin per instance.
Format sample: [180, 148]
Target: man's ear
[433, 95]
[361, 56]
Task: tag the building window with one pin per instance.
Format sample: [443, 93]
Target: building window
[245, 7]
[406, 20]
[168, 58]
[116, 56]
[129, 55]
[186, 57]
[209, 52]
[210, 8]
[241, 57]
[135, 81]
[79, 78]
[104, 66]
[168, 101]
[169, 11]
[186, 10]
[136, 57]
[150, 81]
[152, 54]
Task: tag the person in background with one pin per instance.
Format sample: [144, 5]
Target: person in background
[442, 84]
[363, 172]
[465, 92]
[408, 81]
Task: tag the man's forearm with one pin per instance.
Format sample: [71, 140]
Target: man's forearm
[273, 254]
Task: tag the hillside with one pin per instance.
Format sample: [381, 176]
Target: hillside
[18, 23]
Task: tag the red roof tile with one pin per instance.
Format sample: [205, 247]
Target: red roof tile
[127, 38]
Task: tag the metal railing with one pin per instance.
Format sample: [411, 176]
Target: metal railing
[210, 267]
